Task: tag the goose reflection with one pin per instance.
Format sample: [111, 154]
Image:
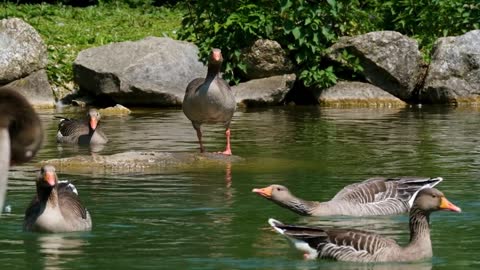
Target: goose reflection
[59, 250]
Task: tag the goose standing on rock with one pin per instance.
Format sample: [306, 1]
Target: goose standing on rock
[210, 100]
[56, 207]
[361, 246]
[82, 132]
[374, 196]
[21, 134]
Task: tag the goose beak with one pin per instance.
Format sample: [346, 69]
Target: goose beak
[93, 123]
[264, 192]
[50, 178]
[447, 205]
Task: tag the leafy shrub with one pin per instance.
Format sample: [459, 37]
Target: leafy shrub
[305, 28]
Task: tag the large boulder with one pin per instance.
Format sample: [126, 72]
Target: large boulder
[389, 59]
[151, 71]
[356, 94]
[36, 88]
[454, 73]
[266, 91]
[22, 50]
[266, 58]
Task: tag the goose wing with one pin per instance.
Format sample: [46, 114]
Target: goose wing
[380, 189]
[70, 204]
[69, 127]
[337, 244]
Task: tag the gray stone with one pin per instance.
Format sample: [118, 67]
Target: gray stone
[266, 58]
[454, 73]
[22, 50]
[36, 88]
[356, 94]
[151, 71]
[266, 91]
[390, 60]
[133, 161]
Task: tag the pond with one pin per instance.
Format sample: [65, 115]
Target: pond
[208, 218]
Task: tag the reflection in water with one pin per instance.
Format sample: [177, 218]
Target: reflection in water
[56, 250]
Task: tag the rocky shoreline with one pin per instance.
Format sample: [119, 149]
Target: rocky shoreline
[155, 71]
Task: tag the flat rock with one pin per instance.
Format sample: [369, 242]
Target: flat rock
[266, 91]
[22, 50]
[151, 71]
[117, 110]
[454, 74]
[356, 94]
[133, 161]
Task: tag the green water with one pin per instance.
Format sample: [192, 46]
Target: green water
[208, 218]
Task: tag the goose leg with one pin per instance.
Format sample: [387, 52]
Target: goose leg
[228, 150]
[199, 136]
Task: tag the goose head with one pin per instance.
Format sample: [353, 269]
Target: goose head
[432, 199]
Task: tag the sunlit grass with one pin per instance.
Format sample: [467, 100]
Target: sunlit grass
[67, 30]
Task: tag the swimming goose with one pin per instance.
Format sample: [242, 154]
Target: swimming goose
[81, 131]
[361, 246]
[56, 207]
[21, 134]
[210, 100]
[374, 196]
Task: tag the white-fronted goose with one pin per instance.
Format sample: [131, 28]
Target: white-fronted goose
[21, 134]
[81, 131]
[210, 100]
[362, 246]
[56, 207]
[374, 196]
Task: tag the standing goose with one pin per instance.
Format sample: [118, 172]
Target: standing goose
[81, 131]
[210, 100]
[56, 207]
[361, 246]
[374, 196]
[21, 134]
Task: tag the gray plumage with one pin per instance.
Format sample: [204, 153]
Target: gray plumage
[361, 246]
[81, 132]
[374, 196]
[56, 207]
[21, 134]
[210, 100]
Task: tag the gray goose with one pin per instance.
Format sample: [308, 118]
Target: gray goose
[21, 134]
[361, 246]
[374, 196]
[56, 207]
[210, 100]
[82, 132]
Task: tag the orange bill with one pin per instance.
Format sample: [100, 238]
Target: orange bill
[447, 205]
[264, 192]
[93, 123]
[50, 178]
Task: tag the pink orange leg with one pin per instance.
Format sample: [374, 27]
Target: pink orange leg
[228, 150]
[199, 136]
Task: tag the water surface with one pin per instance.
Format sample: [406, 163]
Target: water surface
[208, 218]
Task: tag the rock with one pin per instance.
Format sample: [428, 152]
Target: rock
[266, 91]
[357, 94]
[151, 71]
[266, 58]
[137, 162]
[454, 73]
[22, 50]
[36, 88]
[117, 110]
[390, 60]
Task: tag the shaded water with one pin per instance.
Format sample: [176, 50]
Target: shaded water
[208, 218]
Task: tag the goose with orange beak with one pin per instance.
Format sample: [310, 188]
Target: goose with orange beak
[83, 132]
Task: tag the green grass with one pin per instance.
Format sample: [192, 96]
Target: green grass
[67, 30]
